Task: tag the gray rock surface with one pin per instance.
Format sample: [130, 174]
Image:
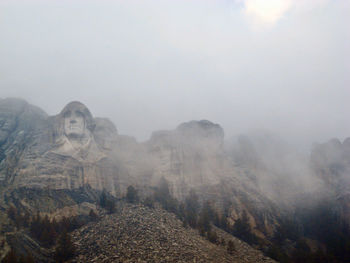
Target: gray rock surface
[141, 234]
[73, 149]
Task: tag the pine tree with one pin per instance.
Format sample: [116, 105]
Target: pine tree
[242, 230]
[191, 208]
[65, 248]
[131, 195]
[230, 247]
[212, 237]
[149, 202]
[110, 206]
[11, 257]
[205, 217]
[93, 216]
[103, 199]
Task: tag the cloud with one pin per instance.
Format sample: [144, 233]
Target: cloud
[151, 65]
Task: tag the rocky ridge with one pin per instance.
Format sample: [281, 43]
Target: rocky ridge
[140, 234]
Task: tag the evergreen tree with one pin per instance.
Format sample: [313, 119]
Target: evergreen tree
[110, 206]
[212, 237]
[103, 199]
[205, 217]
[11, 257]
[65, 248]
[191, 208]
[230, 247]
[12, 212]
[131, 195]
[93, 216]
[29, 258]
[163, 196]
[242, 230]
[149, 202]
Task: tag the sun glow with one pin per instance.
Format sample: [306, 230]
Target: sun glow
[267, 11]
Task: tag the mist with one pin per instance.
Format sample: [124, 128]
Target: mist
[152, 65]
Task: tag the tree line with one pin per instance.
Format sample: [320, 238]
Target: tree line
[48, 232]
[196, 215]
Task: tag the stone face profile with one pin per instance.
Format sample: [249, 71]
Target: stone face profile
[74, 134]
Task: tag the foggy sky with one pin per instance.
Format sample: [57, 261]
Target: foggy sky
[150, 65]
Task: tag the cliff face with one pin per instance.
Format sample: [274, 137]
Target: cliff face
[74, 149]
[330, 161]
[38, 151]
[194, 156]
[20, 123]
[189, 156]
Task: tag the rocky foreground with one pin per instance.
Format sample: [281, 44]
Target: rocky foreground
[141, 234]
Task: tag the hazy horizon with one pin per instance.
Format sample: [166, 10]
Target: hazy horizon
[151, 65]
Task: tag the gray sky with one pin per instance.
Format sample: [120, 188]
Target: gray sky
[281, 65]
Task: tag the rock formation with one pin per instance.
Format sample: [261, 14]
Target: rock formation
[74, 149]
[330, 161]
[191, 156]
[140, 234]
[59, 165]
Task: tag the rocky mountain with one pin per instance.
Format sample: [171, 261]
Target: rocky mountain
[59, 165]
[73, 149]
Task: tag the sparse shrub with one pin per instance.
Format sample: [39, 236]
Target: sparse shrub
[212, 237]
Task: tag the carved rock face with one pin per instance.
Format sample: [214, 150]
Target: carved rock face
[74, 129]
[74, 123]
[66, 153]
